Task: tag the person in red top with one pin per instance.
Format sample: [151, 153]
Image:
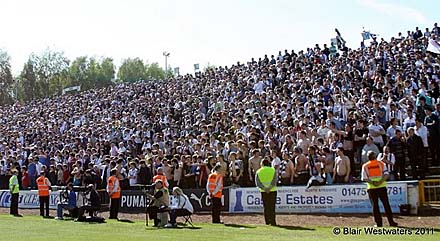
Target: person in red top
[43, 185]
[25, 181]
[161, 177]
[114, 192]
[214, 188]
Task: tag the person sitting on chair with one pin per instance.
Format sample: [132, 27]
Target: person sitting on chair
[159, 204]
[70, 205]
[93, 203]
[180, 206]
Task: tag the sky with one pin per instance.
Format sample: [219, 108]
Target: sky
[197, 31]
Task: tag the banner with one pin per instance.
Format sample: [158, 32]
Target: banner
[433, 47]
[135, 201]
[28, 199]
[317, 199]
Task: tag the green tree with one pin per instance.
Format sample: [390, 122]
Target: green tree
[132, 70]
[6, 79]
[27, 82]
[154, 72]
[52, 71]
[78, 72]
[106, 73]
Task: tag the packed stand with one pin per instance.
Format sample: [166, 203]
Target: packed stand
[313, 113]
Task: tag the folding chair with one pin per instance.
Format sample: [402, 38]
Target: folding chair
[186, 215]
[188, 219]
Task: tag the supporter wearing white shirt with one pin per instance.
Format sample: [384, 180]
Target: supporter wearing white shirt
[410, 120]
[132, 174]
[391, 131]
[376, 131]
[389, 159]
[422, 131]
[276, 162]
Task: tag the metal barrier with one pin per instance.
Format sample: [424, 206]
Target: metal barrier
[429, 191]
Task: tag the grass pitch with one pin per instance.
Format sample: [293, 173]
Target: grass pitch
[35, 228]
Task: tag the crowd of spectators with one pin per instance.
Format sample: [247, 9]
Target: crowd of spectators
[317, 111]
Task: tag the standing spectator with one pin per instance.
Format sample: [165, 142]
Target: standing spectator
[25, 182]
[254, 164]
[369, 146]
[422, 131]
[329, 162]
[52, 175]
[44, 186]
[376, 131]
[397, 146]
[133, 174]
[14, 190]
[375, 174]
[389, 160]
[266, 180]
[360, 137]
[415, 146]
[144, 174]
[432, 123]
[341, 171]
[114, 192]
[214, 187]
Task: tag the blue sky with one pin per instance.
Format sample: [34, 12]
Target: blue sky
[197, 31]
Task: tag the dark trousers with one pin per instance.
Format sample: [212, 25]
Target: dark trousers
[44, 203]
[434, 149]
[115, 203]
[174, 213]
[216, 209]
[269, 200]
[400, 169]
[376, 194]
[14, 204]
[153, 211]
[350, 154]
[89, 209]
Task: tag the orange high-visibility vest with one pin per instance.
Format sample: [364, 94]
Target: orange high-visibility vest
[43, 186]
[114, 187]
[374, 170]
[215, 181]
[162, 178]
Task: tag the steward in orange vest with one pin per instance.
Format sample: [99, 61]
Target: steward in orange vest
[114, 192]
[375, 173]
[214, 187]
[161, 177]
[44, 186]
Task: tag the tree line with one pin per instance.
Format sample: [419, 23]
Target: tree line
[48, 73]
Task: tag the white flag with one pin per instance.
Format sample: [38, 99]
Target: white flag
[433, 47]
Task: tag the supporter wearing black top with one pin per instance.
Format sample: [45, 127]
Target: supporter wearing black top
[360, 138]
[432, 124]
[144, 175]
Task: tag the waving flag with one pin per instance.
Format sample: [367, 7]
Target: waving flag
[433, 47]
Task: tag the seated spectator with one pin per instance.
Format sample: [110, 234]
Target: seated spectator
[180, 206]
[93, 203]
[67, 201]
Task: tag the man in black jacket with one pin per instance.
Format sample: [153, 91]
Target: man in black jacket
[398, 147]
[414, 144]
[144, 175]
